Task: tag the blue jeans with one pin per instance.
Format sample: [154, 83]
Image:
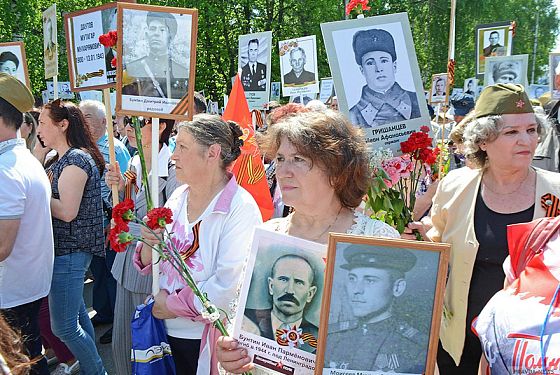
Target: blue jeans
[69, 319]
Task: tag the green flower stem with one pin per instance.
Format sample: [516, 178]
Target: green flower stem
[145, 182]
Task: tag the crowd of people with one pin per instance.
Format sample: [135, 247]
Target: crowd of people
[55, 202]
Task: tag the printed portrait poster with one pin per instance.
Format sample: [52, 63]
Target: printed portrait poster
[90, 64]
[13, 61]
[376, 77]
[275, 91]
[50, 43]
[280, 301]
[64, 91]
[456, 93]
[438, 87]
[158, 51]
[327, 89]
[254, 63]
[536, 91]
[506, 69]
[492, 40]
[554, 80]
[298, 66]
[470, 87]
[302, 99]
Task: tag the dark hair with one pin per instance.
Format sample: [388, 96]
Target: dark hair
[494, 32]
[294, 256]
[165, 134]
[211, 129]
[331, 142]
[199, 103]
[9, 56]
[253, 41]
[78, 134]
[11, 115]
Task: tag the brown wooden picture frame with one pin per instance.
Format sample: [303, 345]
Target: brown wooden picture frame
[183, 110]
[70, 53]
[428, 255]
[506, 27]
[22, 58]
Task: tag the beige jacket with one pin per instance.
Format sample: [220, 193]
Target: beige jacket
[453, 222]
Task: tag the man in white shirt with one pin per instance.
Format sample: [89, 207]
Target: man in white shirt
[26, 245]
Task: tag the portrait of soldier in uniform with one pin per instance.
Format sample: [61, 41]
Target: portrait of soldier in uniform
[49, 40]
[298, 75]
[439, 89]
[292, 287]
[383, 100]
[157, 74]
[506, 72]
[494, 48]
[253, 74]
[470, 87]
[376, 339]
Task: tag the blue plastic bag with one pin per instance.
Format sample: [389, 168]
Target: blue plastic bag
[151, 353]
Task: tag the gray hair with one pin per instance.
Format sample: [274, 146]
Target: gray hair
[487, 129]
[297, 49]
[99, 108]
[208, 130]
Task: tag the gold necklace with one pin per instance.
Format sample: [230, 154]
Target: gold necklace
[510, 193]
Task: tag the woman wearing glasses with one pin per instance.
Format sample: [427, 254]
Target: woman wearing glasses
[77, 225]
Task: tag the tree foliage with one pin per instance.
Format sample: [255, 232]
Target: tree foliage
[221, 22]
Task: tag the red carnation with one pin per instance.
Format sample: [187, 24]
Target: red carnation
[114, 62]
[113, 37]
[424, 129]
[159, 217]
[124, 211]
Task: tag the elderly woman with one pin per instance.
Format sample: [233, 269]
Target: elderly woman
[213, 227]
[473, 206]
[75, 174]
[322, 170]
[132, 288]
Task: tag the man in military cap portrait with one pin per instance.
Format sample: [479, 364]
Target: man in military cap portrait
[157, 74]
[376, 340]
[298, 75]
[253, 74]
[383, 100]
[292, 286]
[506, 72]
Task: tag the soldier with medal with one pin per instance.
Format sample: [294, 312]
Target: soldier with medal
[253, 74]
[383, 100]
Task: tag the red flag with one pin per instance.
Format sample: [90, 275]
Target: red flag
[248, 168]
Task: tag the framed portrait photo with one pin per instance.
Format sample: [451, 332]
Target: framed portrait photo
[157, 46]
[254, 63]
[275, 91]
[279, 304]
[506, 69]
[382, 306]
[470, 87]
[536, 91]
[327, 89]
[50, 42]
[298, 66]
[376, 77]
[554, 79]
[494, 39]
[438, 89]
[14, 62]
[91, 66]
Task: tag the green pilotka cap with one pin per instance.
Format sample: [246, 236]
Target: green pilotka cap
[15, 93]
[501, 99]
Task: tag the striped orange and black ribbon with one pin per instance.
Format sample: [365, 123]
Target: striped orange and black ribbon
[129, 184]
[551, 205]
[306, 337]
[50, 175]
[246, 170]
[195, 244]
[451, 72]
[259, 122]
[182, 107]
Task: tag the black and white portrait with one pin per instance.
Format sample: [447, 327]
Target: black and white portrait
[327, 89]
[302, 99]
[506, 69]
[382, 301]
[554, 75]
[281, 297]
[158, 55]
[492, 40]
[275, 91]
[298, 66]
[50, 43]
[470, 87]
[536, 91]
[437, 88]
[376, 74]
[254, 63]
[456, 93]
[13, 62]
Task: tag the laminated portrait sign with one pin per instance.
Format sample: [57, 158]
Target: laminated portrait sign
[91, 65]
[298, 66]
[376, 77]
[471, 87]
[382, 306]
[437, 89]
[494, 39]
[14, 62]
[64, 91]
[50, 42]
[327, 89]
[536, 91]
[157, 46]
[554, 77]
[506, 69]
[254, 63]
[275, 91]
[279, 304]
[302, 99]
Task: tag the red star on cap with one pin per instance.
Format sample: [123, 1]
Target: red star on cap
[520, 103]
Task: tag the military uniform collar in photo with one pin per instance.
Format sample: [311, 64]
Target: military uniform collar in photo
[501, 99]
[15, 93]
[359, 256]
